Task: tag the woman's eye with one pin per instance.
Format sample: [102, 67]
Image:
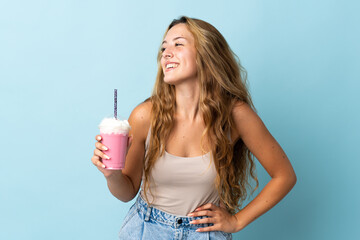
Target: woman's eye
[176, 44]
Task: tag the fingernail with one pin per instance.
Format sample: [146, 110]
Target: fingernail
[197, 230]
[107, 157]
[103, 166]
[98, 138]
[190, 214]
[192, 222]
[105, 148]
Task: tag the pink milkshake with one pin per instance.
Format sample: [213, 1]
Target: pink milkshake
[114, 134]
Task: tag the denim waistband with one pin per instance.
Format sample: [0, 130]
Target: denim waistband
[150, 212]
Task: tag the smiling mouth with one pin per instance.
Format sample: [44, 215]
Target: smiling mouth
[171, 66]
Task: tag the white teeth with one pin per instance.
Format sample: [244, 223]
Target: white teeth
[171, 65]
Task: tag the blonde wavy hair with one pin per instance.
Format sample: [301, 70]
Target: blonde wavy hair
[222, 83]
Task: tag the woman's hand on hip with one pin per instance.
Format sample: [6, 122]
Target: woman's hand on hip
[221, 219]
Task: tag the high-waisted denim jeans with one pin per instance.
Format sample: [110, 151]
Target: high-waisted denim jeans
[149, 223]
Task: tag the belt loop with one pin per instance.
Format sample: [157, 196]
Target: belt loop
[148, 212]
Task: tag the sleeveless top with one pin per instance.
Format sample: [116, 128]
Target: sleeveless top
[178, 185]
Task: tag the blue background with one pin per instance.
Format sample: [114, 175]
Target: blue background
[61, 60]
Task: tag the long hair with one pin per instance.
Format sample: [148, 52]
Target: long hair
[222, 82]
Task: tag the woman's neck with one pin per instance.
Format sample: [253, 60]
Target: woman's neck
[187, 101]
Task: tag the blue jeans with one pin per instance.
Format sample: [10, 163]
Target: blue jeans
[149, 223]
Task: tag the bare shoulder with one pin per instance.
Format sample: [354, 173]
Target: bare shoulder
[140, 118]
[245, 119]
[142, 112]
[242, 110]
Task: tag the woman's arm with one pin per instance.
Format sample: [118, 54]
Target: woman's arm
[271, 156]
[265, 148]
[124, 184]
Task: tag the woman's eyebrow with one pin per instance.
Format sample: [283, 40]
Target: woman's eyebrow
[174, 39]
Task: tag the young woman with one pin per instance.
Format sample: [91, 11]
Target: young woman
[192, 145]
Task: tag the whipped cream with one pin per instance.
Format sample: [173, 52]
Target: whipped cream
[114, 126]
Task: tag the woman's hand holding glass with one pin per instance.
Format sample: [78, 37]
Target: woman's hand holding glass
[99, 154]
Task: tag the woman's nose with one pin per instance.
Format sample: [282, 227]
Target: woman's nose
[167, 53]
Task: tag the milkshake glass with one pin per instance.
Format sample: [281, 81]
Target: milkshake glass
[114, 134]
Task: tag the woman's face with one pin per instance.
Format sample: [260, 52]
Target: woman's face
[178, 59]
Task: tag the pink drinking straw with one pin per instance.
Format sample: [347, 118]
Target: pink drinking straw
[115, 103]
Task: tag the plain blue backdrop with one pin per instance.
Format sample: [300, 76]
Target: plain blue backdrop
[61, 60]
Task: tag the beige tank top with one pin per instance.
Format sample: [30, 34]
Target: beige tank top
[181, 184]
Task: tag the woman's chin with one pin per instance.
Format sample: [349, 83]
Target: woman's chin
[180, 80]
[171, 81]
